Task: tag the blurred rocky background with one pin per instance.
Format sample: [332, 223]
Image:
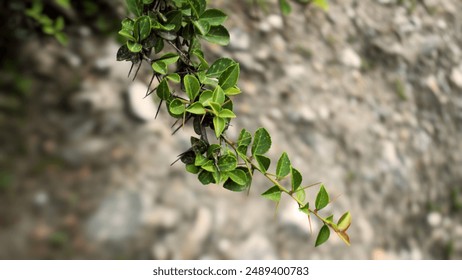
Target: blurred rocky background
[366, 98]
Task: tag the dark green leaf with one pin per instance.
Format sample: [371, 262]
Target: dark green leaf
[174, 18]
[206, 177]
[263, 162]
[323, 235]
[322, 199]
[261, 142]
[176, 107]
[218, 35]
[197, 7]
[219, 125]
[238, 176]
[214, 17]
[135, 6]
[283, 166]
[163, 90]
[227, 163]
[296, 179]
[245, 138]
[273, 194]
[229, 77]
[192, 86]
[191, 168]
[202, 26]
[143, 26]
[125, 54]
[219, 66]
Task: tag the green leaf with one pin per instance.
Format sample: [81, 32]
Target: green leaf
[192, 86]
[300, 194]
[263, 162]
[229, 77]
[283, 167]
[127, 34]
[174, 18]
[226, 114]
[216, 108]
[200, 160]
[296, 179]
[160, 67]
[206, 177]
[238, 176]
[344, 222]
[232, 91]
[218, 95]
[219, 125]
[323, 235]
[261, 142]
[323, 4]
[147, 2]
[203, 64]
[245, 138]
[191, 168]
[209, 166]
[177, 107]
[202, 26]
[227, 163]
[218, 35]
[214, 17]
[196, 108]
[168, 58]
[174, 78]
[322, 199]
[134, 47]
[143, 27]
[285, 7]
[219, 66]
[206, 97]
[163, 90]
[135, 6]
[197, 7]
[273, 194]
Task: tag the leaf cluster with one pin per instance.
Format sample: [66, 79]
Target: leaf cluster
[166, 35]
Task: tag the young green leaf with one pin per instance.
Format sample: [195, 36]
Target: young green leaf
[323, 4]
[232, 91]
[344, 222]
[263, 162]
[134, 47]
[159, 67]
[245, 138]
[174, 78]
[214, 17]
[219, 125]
[196, 108]
[176, 107]
[322, 198]
[200, 160]
[274, 194]
[192, 86]
[323, 235]
[305, 208]
[219, 66]
[283, 166]
[218, 35]
[216, 108]
[227, 163]
[169, 58]
[261, 142]
[226, 114]
[206, 98]
[229, 77]
[218, 95]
